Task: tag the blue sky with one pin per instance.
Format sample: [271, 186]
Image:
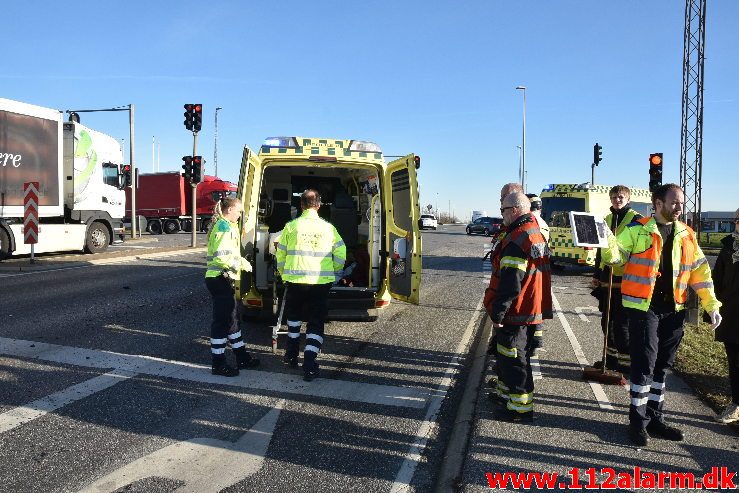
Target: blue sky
[434, 78]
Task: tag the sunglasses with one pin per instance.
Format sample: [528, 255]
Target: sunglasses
[503, 209]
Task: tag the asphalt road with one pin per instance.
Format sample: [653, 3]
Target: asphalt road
[105, 381]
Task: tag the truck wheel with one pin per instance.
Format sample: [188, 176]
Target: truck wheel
[155, 227]
[4, 244]
[98, 238]
[171, 226]
[186, 225]
[205, 225]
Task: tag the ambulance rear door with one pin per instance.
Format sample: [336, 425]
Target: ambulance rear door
[250, 178]
[402, 232]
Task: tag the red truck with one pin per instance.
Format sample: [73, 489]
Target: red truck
[164, 199]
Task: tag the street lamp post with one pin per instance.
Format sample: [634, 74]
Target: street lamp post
[215, 145]
[523, 143]
[520, 169]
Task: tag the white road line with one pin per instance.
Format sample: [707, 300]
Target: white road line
[255, 380]
[413, 456]
[581, 309]
[40, 407]
[205, 465]
[109, 261]
[600, 395]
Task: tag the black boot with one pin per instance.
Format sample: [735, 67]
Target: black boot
[220, 367]
[245, 360]
[660, 429]
[638, 436]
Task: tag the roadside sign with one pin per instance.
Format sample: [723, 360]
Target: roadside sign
[30, 212]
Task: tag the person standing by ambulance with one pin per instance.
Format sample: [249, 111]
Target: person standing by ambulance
[726, 277]
[661, 259]
[310, 258]
[518, 299]
[617, 345]
[224, 265]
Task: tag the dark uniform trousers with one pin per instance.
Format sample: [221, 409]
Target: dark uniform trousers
[222, 292]
[617, 347]
[315, 299]
[655, 336]
[513, 365]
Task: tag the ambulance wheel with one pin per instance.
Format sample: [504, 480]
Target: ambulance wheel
[4, 244]
[97, 239]
[469, 231]
[486, 232]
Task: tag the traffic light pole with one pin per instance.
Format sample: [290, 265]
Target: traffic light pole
[131, 109]
[193, 241]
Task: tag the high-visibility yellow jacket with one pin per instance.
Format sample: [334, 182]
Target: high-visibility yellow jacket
[639, 249]
[629, 216]
[224, 251]
[310, 251]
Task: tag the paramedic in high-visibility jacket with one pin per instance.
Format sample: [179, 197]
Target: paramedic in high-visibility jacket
[224, 265]
[310, 258]
[518, 300]
[661, 259]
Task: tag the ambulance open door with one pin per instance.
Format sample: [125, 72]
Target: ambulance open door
[248, 192]
[402, 232]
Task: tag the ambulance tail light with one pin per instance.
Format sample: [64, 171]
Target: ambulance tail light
[280, 142]
[254, 302]
[360, 145]
[381, 303]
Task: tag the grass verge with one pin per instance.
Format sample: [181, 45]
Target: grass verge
[701, 362]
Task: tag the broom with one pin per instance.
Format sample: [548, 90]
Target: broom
[604, 375]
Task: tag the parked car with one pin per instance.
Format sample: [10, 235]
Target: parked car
[485, 225]
[428, 221]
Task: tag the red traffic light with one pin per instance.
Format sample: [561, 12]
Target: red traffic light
[655, 159]
[126, 168]
[198, 108]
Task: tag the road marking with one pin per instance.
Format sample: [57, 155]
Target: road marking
[110, 261]
[581, 309]
[205, 465]
[413, 456]
[387, 395]
[600, 395]
[40, 407]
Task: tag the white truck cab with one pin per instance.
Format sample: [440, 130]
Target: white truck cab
[373, 205]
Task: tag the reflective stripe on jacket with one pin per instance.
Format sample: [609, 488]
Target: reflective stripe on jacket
[639, 247]
[310, 251]
[224, 251]
[520, 290]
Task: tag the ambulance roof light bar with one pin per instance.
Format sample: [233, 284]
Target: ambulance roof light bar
[280, 142]
[361, 145]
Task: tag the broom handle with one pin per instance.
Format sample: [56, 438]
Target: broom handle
[608, 318]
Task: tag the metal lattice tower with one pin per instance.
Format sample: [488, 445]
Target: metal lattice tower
[691, 141]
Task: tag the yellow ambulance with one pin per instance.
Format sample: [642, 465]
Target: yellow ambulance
[559, 199]
[374, 205]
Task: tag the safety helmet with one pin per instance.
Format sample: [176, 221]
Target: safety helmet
[535, 201]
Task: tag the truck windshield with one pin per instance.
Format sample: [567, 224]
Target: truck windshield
[551, 205]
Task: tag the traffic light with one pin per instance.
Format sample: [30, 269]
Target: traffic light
[189, 116]
[597, 154]
[655, 171]
[126, 175]
[197, 119]
[198, 169]
[417, 161]
[188, 168]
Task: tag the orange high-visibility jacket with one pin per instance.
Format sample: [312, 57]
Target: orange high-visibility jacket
[520, 290]
[639, 249]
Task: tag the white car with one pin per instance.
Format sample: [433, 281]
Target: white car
[428, 221]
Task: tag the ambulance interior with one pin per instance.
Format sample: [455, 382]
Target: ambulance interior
[350, 201]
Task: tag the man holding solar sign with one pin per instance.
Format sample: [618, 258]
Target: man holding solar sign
[661, 259]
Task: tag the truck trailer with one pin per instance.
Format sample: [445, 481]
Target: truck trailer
[165, 200]
[81, 198]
